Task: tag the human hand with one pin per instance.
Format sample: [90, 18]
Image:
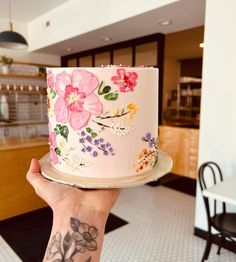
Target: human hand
[63, 197]
[79, 217]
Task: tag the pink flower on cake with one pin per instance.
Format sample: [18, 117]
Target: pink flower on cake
[125, 80]
[53, 144]
[76, 101]
[50, 79]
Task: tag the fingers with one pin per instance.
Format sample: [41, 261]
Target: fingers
[34, 176]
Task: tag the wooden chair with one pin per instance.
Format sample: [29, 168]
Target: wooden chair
[223, 222]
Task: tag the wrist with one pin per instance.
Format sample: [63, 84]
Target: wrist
[85, 213]
[81, 229]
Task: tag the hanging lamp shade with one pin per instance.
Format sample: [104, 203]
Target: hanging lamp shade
[10, 39]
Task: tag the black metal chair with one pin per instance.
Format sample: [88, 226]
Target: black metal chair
[223, 222]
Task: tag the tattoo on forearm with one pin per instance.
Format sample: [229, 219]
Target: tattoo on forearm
[81, 239]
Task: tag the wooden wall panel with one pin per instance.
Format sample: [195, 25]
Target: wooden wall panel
[16, 194]
[182, 145]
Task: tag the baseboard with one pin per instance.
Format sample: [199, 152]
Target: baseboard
[216, 239]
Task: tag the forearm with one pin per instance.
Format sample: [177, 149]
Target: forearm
[76, 236]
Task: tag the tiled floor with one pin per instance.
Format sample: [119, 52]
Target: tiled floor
[160, 229]
[6, 253]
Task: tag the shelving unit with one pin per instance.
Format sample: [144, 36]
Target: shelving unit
[21, 76]
[184, 109]
[23, 93]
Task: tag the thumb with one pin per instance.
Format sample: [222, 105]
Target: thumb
[35, 178]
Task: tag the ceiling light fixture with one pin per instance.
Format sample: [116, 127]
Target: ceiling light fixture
[164, 22]
[68, 49]
[106, 39]
[10, 39]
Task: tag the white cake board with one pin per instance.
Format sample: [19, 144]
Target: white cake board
[163, 167]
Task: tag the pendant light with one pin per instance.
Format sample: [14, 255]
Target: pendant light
[10, 39]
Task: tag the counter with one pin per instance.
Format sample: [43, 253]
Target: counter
[10, 143]
[16, 194]
[181, 144]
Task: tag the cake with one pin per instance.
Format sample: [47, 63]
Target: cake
[103, 121]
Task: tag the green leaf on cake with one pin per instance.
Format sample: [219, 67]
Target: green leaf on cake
[53, 93]
[106, 89]
[111, 96]
[93, 135]
[64, 132]
[155, 162]
[88, 129]
[57, 129]
[58, 151]
[103, 89]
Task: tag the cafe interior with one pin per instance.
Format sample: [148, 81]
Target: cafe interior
[187, 215]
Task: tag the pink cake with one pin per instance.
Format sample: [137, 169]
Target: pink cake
[103, 121]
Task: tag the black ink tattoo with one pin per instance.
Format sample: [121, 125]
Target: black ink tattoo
[81, 239]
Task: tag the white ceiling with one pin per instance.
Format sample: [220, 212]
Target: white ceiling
[27, 10]
[183, 13]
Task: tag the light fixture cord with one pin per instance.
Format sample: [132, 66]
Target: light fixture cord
[10, 22]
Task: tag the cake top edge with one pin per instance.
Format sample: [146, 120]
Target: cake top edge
[105, 67]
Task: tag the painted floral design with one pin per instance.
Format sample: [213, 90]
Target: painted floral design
[147, 157]
[76, 101]
[59, 150]
[129, 111]
[51, 94]
[93, 145]
[125, 80]
[53, 145]
[132, 110]
[119, 128]
[76, 163]
[50, 79]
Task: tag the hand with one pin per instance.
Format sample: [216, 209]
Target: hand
[62, 197]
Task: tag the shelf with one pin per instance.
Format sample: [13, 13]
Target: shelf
[188, 95]
[22, 123]
[182, 108]
[23, 76]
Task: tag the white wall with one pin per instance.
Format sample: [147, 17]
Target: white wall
[76, 17]
[218, 103]
[24, 55]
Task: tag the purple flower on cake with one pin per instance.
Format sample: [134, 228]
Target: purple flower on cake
[50, 79]
[92, 145]
[125, 80]
[76, 101]
[152, 142]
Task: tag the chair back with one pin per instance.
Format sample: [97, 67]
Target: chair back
[216, 177]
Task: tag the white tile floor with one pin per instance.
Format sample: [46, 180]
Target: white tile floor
[160, 229]
[6, 252]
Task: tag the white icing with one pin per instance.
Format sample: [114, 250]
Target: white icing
[123, 134]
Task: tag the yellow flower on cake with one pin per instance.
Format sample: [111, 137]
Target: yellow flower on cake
[132, 110]
[115, 112]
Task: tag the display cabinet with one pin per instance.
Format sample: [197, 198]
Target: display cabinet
[183, 107]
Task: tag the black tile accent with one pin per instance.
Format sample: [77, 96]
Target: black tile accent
[179, 183]
[215, 239]
[28, 234]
